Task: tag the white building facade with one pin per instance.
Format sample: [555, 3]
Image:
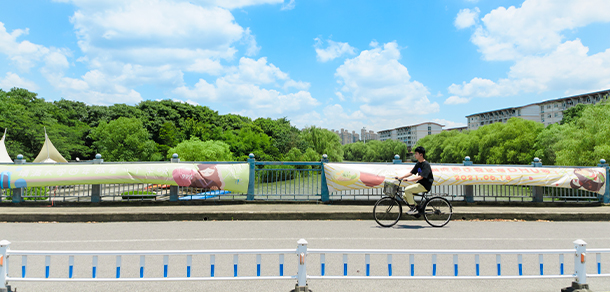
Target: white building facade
[410, 134]
[546, 112]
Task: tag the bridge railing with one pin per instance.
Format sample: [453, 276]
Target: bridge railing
[386, 264]
[292, 181]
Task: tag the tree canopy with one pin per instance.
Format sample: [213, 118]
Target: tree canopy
[153, 130]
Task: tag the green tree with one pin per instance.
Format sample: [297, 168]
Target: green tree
[124, 139]
[197, 150]
[323, 141]
[435, 145]
[285, 136]
[546, 143]
[251, 139]
[572, 114]
[584, 141]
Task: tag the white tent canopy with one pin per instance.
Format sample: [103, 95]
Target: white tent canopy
[48, 153]
[4, 158]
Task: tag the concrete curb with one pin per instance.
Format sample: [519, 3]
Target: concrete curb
[228, 216]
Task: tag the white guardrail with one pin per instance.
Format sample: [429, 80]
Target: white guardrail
[580, 254]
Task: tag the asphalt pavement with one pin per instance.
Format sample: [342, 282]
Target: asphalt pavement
[287, 211]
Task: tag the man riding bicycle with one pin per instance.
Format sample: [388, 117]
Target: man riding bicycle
[422, 175]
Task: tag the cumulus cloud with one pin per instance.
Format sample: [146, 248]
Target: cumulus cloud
[23, 54]
[535, 27]
[542, 58]
[456, 100]
[243, 90]
[13, 80]
[466, 18]
[383, 85]
[333, 51]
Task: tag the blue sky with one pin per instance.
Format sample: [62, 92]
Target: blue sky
[333, 64]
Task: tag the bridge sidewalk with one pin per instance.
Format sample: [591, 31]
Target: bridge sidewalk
[284, 212]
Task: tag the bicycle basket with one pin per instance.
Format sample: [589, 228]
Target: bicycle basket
[389, 189]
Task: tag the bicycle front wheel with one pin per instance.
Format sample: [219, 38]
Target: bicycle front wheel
[387, 211]
[438, 212]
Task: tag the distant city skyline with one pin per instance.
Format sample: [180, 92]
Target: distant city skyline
[331, 64]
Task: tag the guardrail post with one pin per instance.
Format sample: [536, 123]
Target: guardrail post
[302, 271]
[606, 197]
[96, 190]
[580, 267]
[397, 159]
[538, 192]
[251, 162]
[325, 195]
[4, 247]
[173, 190]
[468, 190]
[18, 192]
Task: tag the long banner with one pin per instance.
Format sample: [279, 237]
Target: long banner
[340, 177]
[231, 177]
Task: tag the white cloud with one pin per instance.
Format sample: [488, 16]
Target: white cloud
[156, 32]
[340, 96]
[233, 4]
[467, 18]
[531, 37]
[449, 124]
[212, 67]
[23, 54]
[256, 72]
[288, 6]
[535, 27]
[333, 51]
[383, 85]
[13, 80]
[250, 41]
[456, 100]
[243, 90]
[300, 85]
[333, 117]
[569, 68]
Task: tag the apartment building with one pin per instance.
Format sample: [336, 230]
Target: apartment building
[412, 133]
[546, 112]
[368, 135]
[347, 137]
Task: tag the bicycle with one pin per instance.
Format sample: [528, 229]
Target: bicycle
[437, 211]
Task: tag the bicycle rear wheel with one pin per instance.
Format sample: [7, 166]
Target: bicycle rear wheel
[387, 211]
[438, 211]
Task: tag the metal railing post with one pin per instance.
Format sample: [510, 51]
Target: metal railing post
[538, 192]
[4, 247]
[397, 159]
[96, 190]
[468, 190]
[18, 192]
[173, 190]
[302, 271]
[325, 195]
[251, 162]
[580, 266]
[606, 197]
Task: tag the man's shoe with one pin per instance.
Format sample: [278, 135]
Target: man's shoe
[413, 211]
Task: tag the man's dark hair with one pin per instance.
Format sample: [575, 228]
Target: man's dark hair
[421, 151]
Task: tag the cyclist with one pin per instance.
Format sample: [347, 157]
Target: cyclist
[422, 175]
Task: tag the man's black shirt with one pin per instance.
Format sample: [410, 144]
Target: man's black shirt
[423, 169]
